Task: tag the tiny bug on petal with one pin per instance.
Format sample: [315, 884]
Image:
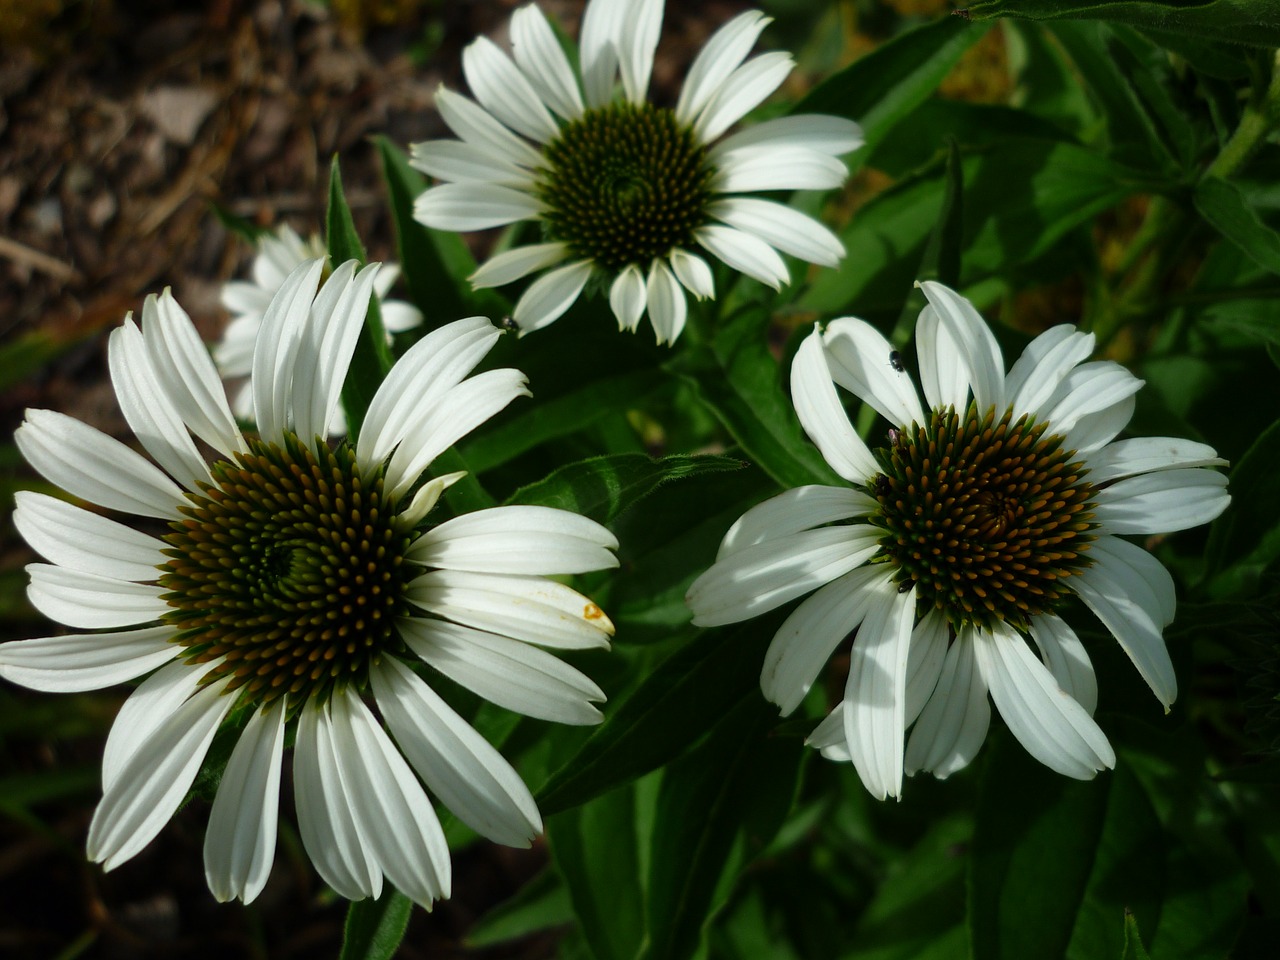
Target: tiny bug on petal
[895, 361]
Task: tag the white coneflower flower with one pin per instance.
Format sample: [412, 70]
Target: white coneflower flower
[279, 254]
[295, 582]
[628, 192]
[996, 500]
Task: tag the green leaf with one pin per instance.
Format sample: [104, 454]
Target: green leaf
[596, 848]
[375, 928]
[882, 88]
[742, 384]
[1252, 520]
[603, 487]
[541, 904]
[735, 779]
[1072, 855]
[1234, 21]
[665, 715]
[1223, 204]
[1133, 948]
[372, 358]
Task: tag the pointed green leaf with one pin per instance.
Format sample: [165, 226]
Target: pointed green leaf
[1223, 204]
[375, 928]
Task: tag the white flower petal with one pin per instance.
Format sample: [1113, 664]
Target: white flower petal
[788, 230]
[815, 628]
[1088, 389]
[759, 578]
[88, 464]
[531, 609]
[1043, 365]
[456, 161]
[668, 308]
[393, 813]
[551, 295]
[822, 416]
[1098, 429]
[833, 136]
[627, 297]
[399, 316]
[604, 23]
[427, 371]
[1125, 458]
[156, 777]
[503, 90]
[692, 271]
[79, 540]
[929, 641]
[464, 207]
[828, 736]
[636, 47]
[239, 297]
[770, 167]
[240, 842]
[943, 375]
[718, 58]
[955, 719]
[468, 775]
[859, 358]
[512, 265]
[187, 373]
[91, 601]
[745, 253]
[475, 125]
[86, 661]
[875, 692]
[332, 838]
[276, 351]
[801, 508]
[539, 55]
[1052, 726]
[1067, 659]
[744, 89]
[978, 348]
[507, 672]
[456, 414]
[525, 540]
[1161, 502]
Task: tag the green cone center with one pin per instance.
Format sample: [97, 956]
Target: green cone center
[624, 184]
[290, 567]
[987, 518]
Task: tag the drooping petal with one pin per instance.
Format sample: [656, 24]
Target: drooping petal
[769, 167]
[388, 804]
[1154, 587]
[456, 161]
[808, 637]
[86, 542]
[828, 736]
[1095, 430]
[628, 297]
[1161, 502]
[929, 644]
[636, 47]
[464, 207]
[88, 464]
[512, 265]
[1126, 458]
[1067, 659]
[525, 540]
[468, 775]
[875, 692]
[1043, 365]
[744, 89]
[86, 661]
[330, 834]
[692, 271]
[978, 347]
[140, 801]
[790, 512]
[944, 377]
[476, 126]
[1053, 727]
[745, 253]
[507, 672]
[668, 308]
[276, 350]
[834, 136]
[760, 578]
[503, 90]
[240, 841]
[858, 356]
[604, 23]
[955, 719]
[90, 601]
[397, 317]
[539, 55]
[822, 416]
[551, 295]
[788, 230]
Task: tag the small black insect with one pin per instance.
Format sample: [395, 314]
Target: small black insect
[905, 586]
[895, 360]
[882, 485]
[508, 324]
